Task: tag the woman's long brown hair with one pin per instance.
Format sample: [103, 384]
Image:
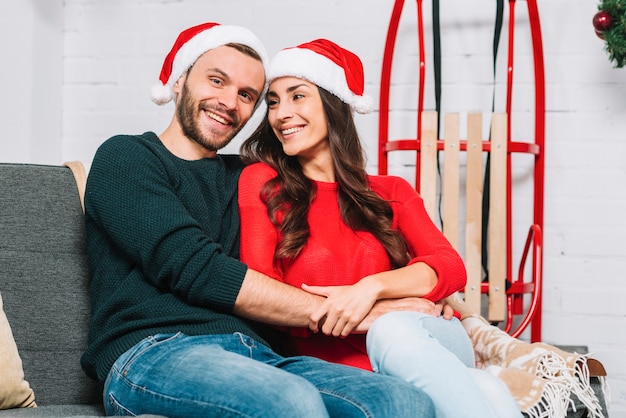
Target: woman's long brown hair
[289, 195]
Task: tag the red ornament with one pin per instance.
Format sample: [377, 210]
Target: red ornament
[602, 21]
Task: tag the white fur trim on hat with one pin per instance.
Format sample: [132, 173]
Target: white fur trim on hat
[313, 67]
[202, 42]
[161, 94]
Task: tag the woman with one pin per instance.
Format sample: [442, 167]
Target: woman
[313, 218]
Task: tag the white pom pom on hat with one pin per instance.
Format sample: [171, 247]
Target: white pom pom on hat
[327, 65]
[191, 44]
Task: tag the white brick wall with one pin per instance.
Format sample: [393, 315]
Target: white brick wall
[90, 63]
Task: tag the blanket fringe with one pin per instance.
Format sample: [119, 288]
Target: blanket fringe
[553, 403]
[542, 378]
[581, 387]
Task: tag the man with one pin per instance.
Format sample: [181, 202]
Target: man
[175, 315]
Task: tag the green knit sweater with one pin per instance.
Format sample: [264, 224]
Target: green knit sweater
[162, 245]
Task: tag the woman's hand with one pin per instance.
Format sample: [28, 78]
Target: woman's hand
[412, 304]
[446, 310]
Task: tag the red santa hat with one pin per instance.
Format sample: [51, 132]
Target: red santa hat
[327, 65]
[191, 44]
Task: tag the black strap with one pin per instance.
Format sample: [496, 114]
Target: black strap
[497, 32]
[487, 180]
[437, 57]
[437, 77]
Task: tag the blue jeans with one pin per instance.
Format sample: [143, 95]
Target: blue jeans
[436, 355]
[234, 376]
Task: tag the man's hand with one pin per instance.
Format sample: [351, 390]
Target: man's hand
[344, 307]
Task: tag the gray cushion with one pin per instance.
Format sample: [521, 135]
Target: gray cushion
[75, 411]
[56, 411]
[43, 280]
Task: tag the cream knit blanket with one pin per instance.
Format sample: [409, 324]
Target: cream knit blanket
[540, 377]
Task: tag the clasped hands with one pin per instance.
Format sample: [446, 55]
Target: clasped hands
[353, 309]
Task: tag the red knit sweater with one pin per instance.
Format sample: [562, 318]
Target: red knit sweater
[338, 255]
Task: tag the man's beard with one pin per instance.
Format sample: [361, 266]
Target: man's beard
[186, 112]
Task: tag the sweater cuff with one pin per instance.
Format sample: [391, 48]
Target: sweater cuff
[231, 275]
